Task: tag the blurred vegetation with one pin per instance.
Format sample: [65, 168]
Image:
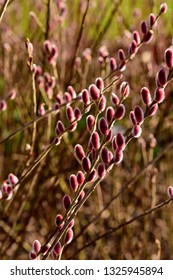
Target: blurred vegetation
[30, 215]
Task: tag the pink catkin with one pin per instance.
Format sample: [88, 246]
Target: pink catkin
[90, 122]
[79, 152]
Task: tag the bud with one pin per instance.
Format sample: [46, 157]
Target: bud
[136, 131]
[80, 177]
[70, 113]
[110, 114]
[152, 20]
[139, 114]
[161, 77]
[57, 248]
[79, 152]
[159, 95]
[163, 8]
[95, 140]
[94, 92]
[86, 164]
[109, 136]
[81, 196]
[102, 103]
[103, 126]
[169, 58]
[153, 110]
[57, 141]
[99, 83]
[36, 246]
[120, 112]
[72, 92]
[113, 64]
[118, 156]
[60, 126]
[85, 96]
[13, 180]
[114, 99]
[73, 182]
[3, 105]
[144, 27]
[105, 155]
[133, 48]
[148, 36]
[45, 248]
[71, 224]
[12, 94]
[92, 175]
[146, 96]
[90, 122]
[66, 201]
[58, 220]
[77, 113]
[67, 97]
[32, 255]
[101, 170]
[41, 110]
[120, 141]
[121, 55]
[124, 89]
[170, 191]
[136, 37]
[69, 236]
[73, 126]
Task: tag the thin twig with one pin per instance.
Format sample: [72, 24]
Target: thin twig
[3, 9]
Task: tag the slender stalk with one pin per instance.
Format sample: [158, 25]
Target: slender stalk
[3, 9]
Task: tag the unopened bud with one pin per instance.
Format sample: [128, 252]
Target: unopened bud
[86, 164]
[73, 182]
[101, 170]
[94, 92]
[103, 126]
[169, 58]
[146, 96]
[136, 131]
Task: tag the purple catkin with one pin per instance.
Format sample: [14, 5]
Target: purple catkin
[70, 113]
[94, 92]
[71, 224]
[102, 103]
[56, 106]
[58, 220]
[73, 126]
[120, 112]
[36, 246]
[153, 110]
[114, 99]
[105, 155]
[170, 191]
[3, 105]
[85, 97]
[67, 97]
[12, 94]
[69, 236]
[124, 89]
[114, 143]
[99, 83]
[148, 36]
[113, 64]
[144, 27]
[133, 48]
[32, 255]
[66, 201]
[13, 180]
[60, 126]
[132, 117]
[139, 114]
[103, 126]
[159, 95]
[79, 152]
[81, 196]
[136, 37]
[86, 164]
[161, 77]
[45, 248]
[118, 156]
[80, 177]
[92, 175]
[95, 140]
[109, 136]
[90, 122]
[72, 92]
[77, 113]
[57, 141]
[136, 131]
[152, 19]
[121, 55]
[169, 58]
[146, 96]
[57, 248]
[110, 112]
[101, 170]
[120, 141]
[73, 182]
[163, 8]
